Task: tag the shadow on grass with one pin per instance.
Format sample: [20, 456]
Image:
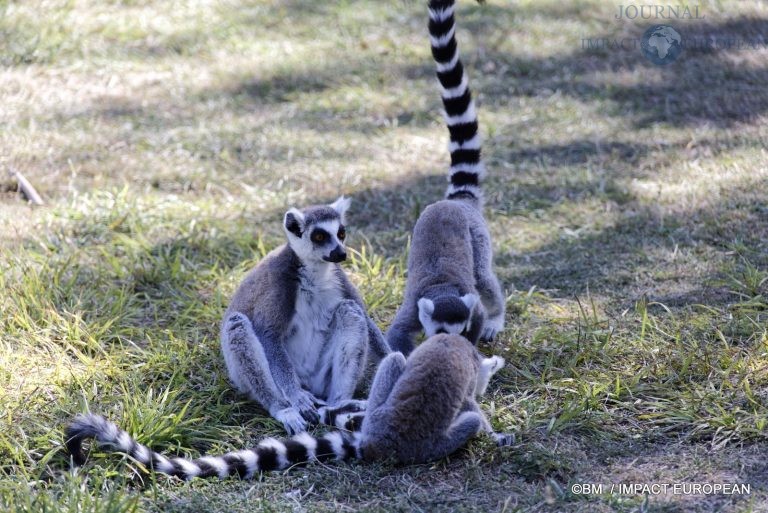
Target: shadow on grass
[721, 87]
[668, 257]
[677, 259]
[642, 251]
[25, 39]
[702, 88]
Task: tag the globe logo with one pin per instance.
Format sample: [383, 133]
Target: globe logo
[661, 44]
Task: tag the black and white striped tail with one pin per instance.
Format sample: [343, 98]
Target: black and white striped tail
[467, 168]
[270, 454]
[348, 417]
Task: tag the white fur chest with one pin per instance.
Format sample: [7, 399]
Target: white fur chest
[317, 297]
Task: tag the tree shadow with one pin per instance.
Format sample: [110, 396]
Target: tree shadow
[677, 259]
[667, 257]
[719, 85]
[28, 41]
[702, 87]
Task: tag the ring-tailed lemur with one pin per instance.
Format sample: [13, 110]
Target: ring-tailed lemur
[424, 408]
[296, 334]
[450, 263]
[418, 410]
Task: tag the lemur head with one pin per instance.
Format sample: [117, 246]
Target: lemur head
[447, 314]
[316, 234]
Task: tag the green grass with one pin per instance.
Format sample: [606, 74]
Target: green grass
[627, 204]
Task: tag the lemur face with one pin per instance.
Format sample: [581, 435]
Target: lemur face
[317, 234]
[447, 314]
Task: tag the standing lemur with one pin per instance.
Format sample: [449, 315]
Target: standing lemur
[418, 410]
[451, 286]
[296, 333]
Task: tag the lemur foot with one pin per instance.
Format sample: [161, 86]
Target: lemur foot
[292, 420]
[503, 439]
[492, 328]
[492, 365]
[488, 367]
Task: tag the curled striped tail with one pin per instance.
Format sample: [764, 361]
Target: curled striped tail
[466, 165]
[269, 454]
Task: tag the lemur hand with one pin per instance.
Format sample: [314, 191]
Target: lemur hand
[292, 420]
[492, 328]
[306, 403]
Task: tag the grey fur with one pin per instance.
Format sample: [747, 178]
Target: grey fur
[296, 334]
[424, 408]
[418, 411]
[450, 257]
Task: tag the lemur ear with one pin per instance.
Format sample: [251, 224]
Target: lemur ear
[470, 300]
[341, 205]
[426, 306]
[294, 222]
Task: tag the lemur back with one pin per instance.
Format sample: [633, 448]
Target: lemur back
[424, 408]
[417, 411]
[451, 287]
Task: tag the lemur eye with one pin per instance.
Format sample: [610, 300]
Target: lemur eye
[342, 233]
[319, 237]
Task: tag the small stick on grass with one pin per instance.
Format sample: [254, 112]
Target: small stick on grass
[26, 188]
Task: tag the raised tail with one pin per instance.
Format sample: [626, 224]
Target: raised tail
[467, 168]
[269, 454]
